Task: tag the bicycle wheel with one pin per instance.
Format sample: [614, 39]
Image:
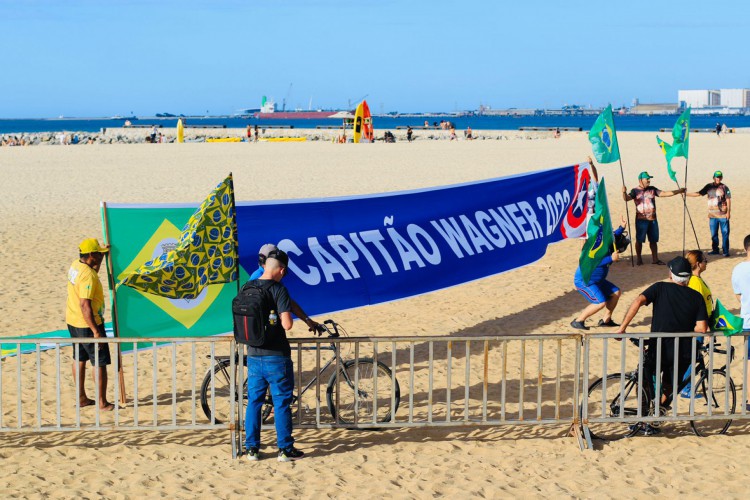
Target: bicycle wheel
[221, 394]
[364, 404]
[614, 401]
[720, 393]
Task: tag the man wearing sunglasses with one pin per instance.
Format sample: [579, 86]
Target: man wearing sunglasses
[719, 212]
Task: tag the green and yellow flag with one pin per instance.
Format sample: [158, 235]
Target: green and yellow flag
[206, 252]
[603, 138]
[668, 155]
[600, 239]
[681, 135]
[724, 321]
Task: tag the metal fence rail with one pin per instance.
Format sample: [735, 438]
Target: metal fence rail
[621, 401]
[163, 393]
[394, 382]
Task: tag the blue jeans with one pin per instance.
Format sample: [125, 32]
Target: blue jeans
[277, 373]
[714, 225]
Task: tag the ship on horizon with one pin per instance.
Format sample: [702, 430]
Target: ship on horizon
[268, 111]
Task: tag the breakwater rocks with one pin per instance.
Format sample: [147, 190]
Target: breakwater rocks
[141, 136]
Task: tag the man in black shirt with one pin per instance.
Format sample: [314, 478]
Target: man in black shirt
[270, 365]
[677, 309]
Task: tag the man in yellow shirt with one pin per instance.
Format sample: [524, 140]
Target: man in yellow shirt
[84, 316]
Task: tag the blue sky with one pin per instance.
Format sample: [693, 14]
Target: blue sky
[109, 57]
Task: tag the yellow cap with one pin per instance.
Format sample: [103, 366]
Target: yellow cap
[91, 245]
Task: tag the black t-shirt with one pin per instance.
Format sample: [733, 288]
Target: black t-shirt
[277, 343]
[676, 310]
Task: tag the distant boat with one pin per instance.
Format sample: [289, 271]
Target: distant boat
[268, 112]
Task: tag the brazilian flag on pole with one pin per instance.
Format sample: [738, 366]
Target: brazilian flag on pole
[724, 321]
[600, 239]
[681, 135]
[668, 154]
[603, 138]
[206, 252]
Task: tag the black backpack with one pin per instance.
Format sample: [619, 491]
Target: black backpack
[250, 310]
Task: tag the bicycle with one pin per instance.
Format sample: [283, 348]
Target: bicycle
[626, 401]
[342, 409]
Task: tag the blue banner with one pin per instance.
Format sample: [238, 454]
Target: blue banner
[355, 251]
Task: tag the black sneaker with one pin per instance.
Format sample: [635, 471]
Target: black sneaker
[713, 252]
[644, 429]
[253, 454]
[609, 323]
[578, 325]
[290, 454]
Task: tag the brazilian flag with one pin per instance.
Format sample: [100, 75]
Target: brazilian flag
[668, 155]
[603, 138]
[681, 135]
[600, 239]
[206, 252]
[724, 321]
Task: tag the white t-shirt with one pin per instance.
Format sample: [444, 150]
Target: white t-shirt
[741, 286]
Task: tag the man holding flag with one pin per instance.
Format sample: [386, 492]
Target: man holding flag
[597, 255]
[646, 224]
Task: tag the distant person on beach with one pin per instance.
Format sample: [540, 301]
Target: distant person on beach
[249, 133]
[467, 133]
[677, 309]
[741, 287]
[557, 133]
[154, 134]
[719, 211]
[409, 133]
[257, 132]
[84, 315]
[426, 124]
[269, 366]
[718, 129]
[646, 224]
[599, 292]
[453, 134]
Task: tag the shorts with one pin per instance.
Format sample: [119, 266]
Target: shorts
[646, 227]
[86, 351]
[598, 292]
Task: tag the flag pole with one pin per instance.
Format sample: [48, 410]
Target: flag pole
[690, 218]
[684, 212]
[627, 211]
[236, 351]
[111, 282]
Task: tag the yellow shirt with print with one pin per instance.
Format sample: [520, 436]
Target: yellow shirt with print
[83, 283]
[700, 286]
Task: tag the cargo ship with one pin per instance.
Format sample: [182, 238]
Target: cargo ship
[268, 112]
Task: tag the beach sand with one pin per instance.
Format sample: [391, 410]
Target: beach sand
[50, 202]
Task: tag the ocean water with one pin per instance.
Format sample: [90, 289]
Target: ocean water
[623, 123]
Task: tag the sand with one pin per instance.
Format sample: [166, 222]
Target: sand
[50, 201]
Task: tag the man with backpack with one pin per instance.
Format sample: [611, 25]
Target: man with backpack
[262, 314]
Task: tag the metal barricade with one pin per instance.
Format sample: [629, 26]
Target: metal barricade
[163, 394]
[621, 402]
[394, 382]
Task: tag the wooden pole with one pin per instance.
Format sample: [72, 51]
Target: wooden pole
[627, 214]
[111, 281]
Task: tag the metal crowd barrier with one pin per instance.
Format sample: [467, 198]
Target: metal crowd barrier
[160, 400]
[434, 382]
[620, 401]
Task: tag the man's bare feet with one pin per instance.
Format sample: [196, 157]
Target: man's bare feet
[639, 261]
[107, 407]
[85, 402]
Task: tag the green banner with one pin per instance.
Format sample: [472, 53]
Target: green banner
[138, 234]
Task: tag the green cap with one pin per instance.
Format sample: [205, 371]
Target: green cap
[644, 175]
[718, 174]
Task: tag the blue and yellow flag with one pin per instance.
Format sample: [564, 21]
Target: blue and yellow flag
[206, 252]
[668, 155]
[681, 135]
[603, 138]
[724, 321]
[600, 240]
